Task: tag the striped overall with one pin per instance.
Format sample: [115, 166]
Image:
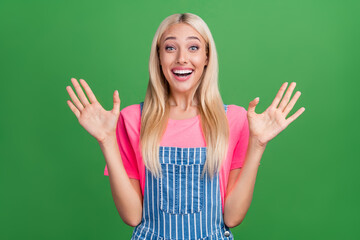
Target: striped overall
[182, 204]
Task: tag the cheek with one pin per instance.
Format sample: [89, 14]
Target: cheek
[165, 60]
[165, 69]
[199, 61]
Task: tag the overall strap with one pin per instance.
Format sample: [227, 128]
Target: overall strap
[142, 103]
[141, 107]
[226, 108]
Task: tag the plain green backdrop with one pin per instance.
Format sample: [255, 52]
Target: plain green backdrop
[51, 172]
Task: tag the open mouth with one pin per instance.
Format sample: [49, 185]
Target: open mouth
[182, 73]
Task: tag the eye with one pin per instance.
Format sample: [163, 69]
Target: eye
[169, 48]
[194, 48]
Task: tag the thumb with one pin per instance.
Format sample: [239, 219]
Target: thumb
[116, 108]
[252, 105]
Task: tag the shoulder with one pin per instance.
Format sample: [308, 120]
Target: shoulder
[237, 116]
[130, 119]
[235, 111]
[131, 112]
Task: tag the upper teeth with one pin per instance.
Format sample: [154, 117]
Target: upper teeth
[182, 71]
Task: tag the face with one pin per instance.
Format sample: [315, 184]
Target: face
[183, 57]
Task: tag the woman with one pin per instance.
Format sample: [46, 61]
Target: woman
[181, 164]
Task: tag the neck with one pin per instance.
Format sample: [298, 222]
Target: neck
[182, 101]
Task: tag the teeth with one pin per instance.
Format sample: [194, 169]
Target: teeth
[182, 71]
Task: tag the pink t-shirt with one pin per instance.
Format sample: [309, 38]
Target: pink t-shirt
[128, 133]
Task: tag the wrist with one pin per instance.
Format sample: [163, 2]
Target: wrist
[255, 143]
[108, 140]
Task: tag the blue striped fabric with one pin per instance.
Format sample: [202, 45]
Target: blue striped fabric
[182, 204]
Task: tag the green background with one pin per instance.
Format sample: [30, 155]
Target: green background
[51, 179]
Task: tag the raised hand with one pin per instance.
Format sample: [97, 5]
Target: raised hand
[91, 115]
[265, 126]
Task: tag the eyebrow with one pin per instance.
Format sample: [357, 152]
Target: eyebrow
[188, 38]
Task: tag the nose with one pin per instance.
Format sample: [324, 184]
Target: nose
[182, 56]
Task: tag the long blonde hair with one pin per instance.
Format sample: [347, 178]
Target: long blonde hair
[156, 109]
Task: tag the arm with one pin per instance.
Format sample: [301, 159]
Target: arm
[262, 127]
[240, 188]
[126, 192]
[101, 124]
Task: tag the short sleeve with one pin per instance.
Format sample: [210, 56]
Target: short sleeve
[242, 144]
[125, 135]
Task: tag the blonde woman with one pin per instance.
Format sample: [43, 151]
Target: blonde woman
[182, 164]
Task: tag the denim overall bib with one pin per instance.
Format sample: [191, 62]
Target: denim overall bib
[182, 204]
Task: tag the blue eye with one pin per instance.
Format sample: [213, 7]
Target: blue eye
[167, 47]
[194, 47]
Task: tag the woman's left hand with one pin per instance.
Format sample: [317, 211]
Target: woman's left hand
[265, 126]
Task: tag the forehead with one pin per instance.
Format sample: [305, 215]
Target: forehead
[181, 31]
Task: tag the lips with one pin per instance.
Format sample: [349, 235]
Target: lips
[181, 68]
[182, 75]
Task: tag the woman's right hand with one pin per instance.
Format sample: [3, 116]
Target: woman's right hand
[100, 123]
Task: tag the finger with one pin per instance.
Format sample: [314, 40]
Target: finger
[292, 103]
[74, 98]
[73, 109]
[279, 95]
[88, 91]
[295, 115]
[287, 96]
[252, 105]
[116, 108]
[80, 92]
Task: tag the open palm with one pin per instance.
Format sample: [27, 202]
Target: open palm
[91, 115]
[271, 122]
